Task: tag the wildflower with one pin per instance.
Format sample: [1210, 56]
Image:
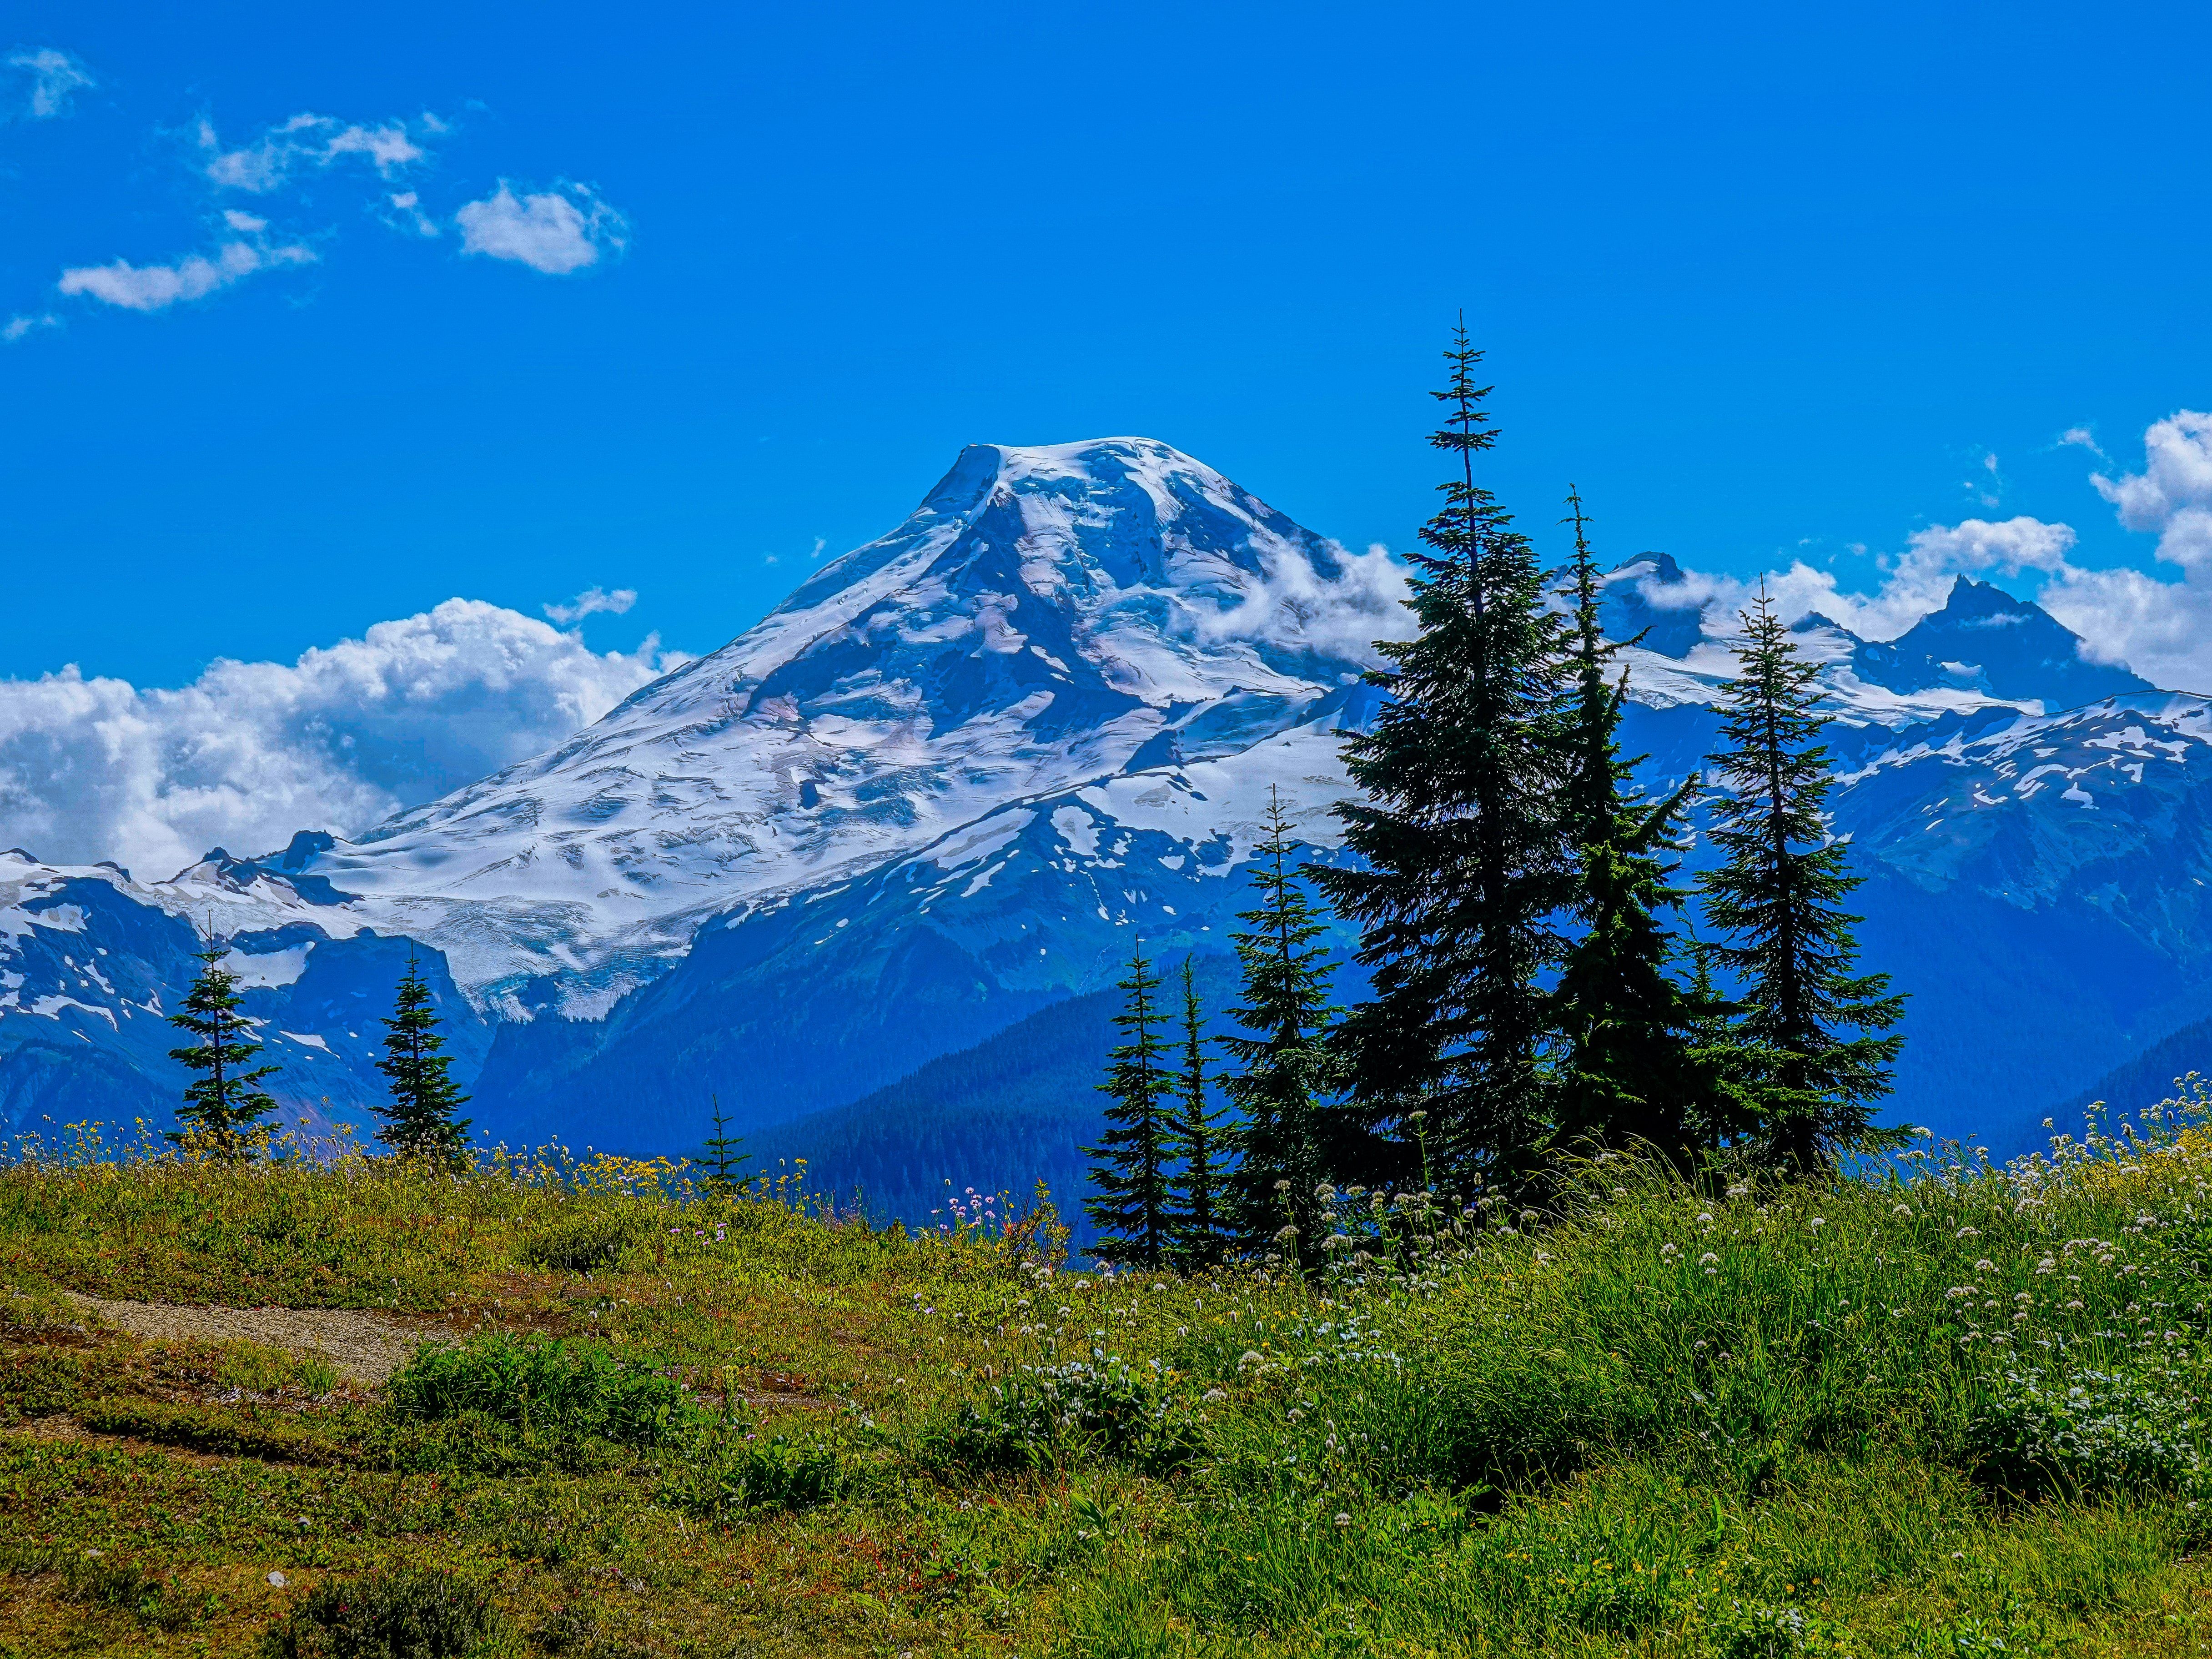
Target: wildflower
[1342, 1519]
[1968, 1232]
[1669, 1249]
[1282, 1233]
[1282, 1186]
[1212, 1395]
[1247, 1358]
[1739, 1191]
[1901, 1209]
[1817, 1223]
[1707, 1259]
[1528, 1216]
[1985, 1265]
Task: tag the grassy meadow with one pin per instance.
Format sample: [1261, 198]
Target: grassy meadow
[1953, 1410]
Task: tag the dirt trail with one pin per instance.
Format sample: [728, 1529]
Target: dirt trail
[365, 1347]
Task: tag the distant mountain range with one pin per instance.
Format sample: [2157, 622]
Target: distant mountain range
[866, 871]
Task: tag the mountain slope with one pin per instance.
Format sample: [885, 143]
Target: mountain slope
[923, 808]
[1045, 617]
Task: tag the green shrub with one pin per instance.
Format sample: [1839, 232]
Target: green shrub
[1103, 1408]
[730, 1477]
[2087, 1432]
[405, 1614]
[591, 1242]
[553, 1388]
[1758, 1630]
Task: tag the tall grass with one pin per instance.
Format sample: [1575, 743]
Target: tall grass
[1943, 1408]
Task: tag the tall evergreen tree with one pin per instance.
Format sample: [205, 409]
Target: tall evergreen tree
[1627, 1066]
[418, 1118]
[1463, 871]
[1197, 1146]
[1284, 1068]
[225, 1104]
[721, 1161]
[1793, 951]
[1128, 1171]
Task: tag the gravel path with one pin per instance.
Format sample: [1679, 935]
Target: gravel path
[366, 1348]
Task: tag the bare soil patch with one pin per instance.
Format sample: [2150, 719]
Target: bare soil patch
[365, 1348]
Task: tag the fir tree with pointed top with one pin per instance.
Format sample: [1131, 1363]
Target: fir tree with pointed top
[1627, 1066]
[224, 1106]
[1463, 872]
[1777, 891]
[1197, 1144]
[1131, 1201]
[1284, 1070]
[418, 1119]
[721, 1161]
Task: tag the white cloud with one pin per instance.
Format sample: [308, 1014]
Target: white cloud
[55, 78]
[156, 287]
[20, 325]
[1918, 581]
[558, 231]
[591, 602]
[2172, 495]
[405, 212]
[1294, 607]
[2080, 437]
[2162, 629]
[249, 752]
[305, 141]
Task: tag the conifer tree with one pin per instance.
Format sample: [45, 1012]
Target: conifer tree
[1463, 872]
[1627, 1066]
[1284, 1068]
[418, 1119]
[722, 1160]
[224, 1105]
[1128, 1170]
[1793, 952]
[1197, 1145]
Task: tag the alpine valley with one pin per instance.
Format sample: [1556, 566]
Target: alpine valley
[866, 873]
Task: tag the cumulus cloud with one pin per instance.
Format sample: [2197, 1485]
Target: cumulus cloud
[21, 324]
[591, 602]
[2160, 629]
[305, 142]
[557, 231]
[1295, 607]
[53, 78]
[2171, 497]
[156, 287]
[249, 752]
[1918, 582]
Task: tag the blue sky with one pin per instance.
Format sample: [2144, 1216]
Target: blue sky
[1769, 283]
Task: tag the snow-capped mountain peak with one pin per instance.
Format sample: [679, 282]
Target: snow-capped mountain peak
[1045, 616]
